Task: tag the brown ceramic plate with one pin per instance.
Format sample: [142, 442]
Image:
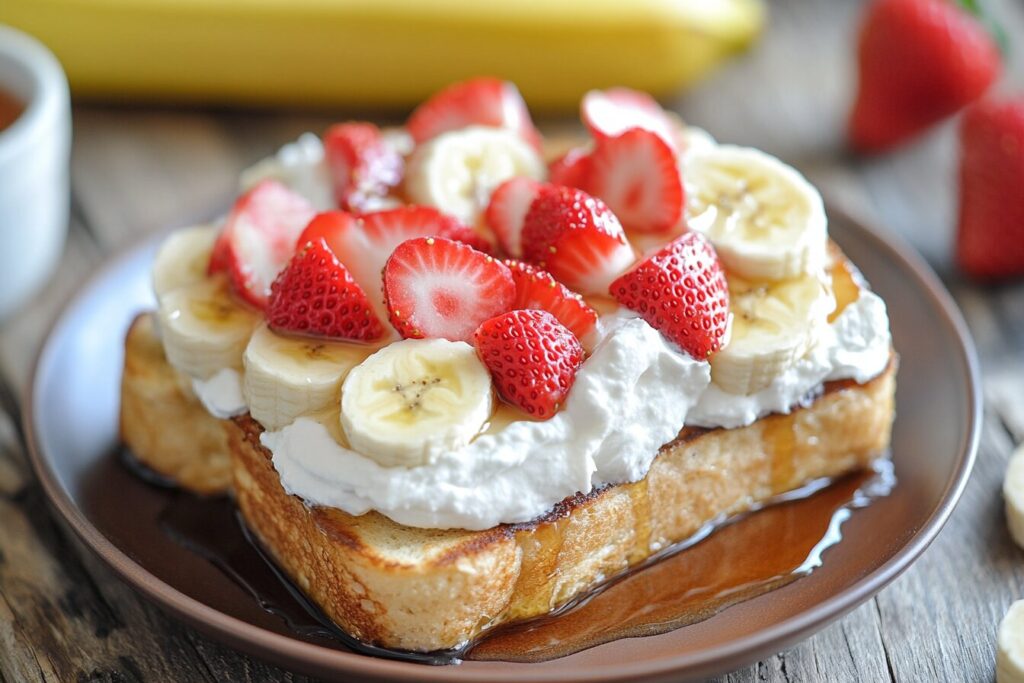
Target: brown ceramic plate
[72, 429]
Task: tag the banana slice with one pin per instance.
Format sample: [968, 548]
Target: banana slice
[457, 171]
[773, 325]
[693, 140]
[414, 399]
[183, 258]
[203, 329]
[1010, 646]
[288, 376]
[1013, 495]
[765, 220]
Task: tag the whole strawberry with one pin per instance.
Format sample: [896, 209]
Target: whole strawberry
[315, 295]
[920, 61]
[990, 236]
[681, 292]
[532, 357]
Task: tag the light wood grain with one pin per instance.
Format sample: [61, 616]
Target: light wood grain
[137, 170]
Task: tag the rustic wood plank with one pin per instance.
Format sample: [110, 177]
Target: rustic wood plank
[139, 171]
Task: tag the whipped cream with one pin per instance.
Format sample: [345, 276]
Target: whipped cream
[301, 166]
[855, 346]
[630, 397]
[633, 395]
[221, 394]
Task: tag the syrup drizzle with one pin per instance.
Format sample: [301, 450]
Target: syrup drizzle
[652, 598]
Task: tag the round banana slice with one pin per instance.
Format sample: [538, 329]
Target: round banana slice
[773, 325]
[286, 377]
[693, 140]
[1010, 646]
[183, 258]
[414, 399]
[203, 329]
[765, 220]
[1013, 495]
[457, 171]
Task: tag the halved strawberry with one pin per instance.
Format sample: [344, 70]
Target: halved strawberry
[364, 243]
[363, 167]
[637, 176]
[484, 101]
[532, 358]
[610, 113]
[316, 295]
[576, 238]
[436, 287]
[538, 289]
[572, 169]
[681, 291]
[259, 237]
[509, 204]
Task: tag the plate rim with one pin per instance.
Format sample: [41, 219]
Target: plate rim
[264, 644]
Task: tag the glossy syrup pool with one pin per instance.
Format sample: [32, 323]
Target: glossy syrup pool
[746, 556]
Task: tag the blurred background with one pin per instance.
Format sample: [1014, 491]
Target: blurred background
[172, 100]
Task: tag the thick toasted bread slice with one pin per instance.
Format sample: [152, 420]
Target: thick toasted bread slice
[421, 589]
[163, 423]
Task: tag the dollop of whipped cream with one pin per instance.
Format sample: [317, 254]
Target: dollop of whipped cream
[221, 394]
[301, 166]
[630, 397]
[855, 346]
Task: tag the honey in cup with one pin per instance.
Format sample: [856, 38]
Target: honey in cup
[10, 109]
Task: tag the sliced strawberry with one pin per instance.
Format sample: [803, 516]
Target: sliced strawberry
[363, 167]
[259, 237]
[572, 169]
[610, 113]
[537, 289]
[436, 287]
[532, 357]
[315, 295]
[364, 243]
[481, 101]
[576, 238]
[509, 204]
[637, 176]
[681, 291]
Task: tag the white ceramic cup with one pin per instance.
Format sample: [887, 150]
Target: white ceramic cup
[34, 158]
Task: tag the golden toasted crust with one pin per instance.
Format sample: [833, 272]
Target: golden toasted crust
[426, 589]
[162, 423]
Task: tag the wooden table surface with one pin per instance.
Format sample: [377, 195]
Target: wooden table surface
[65, 617]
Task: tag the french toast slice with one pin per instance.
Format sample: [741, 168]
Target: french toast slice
[423, 589]
[163, 424]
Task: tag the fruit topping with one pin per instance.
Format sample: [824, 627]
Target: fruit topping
[681, 292]
[259, 237]
[481, 101]
[572, 169]
[536, 289]
[507, 210]
[415, 399]
[612, 112]
[532, 357]
[315, 295]
[364, 243]
[364, 167]
[576, 238]
[457, 171]
[637, 175]
[436, 287]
